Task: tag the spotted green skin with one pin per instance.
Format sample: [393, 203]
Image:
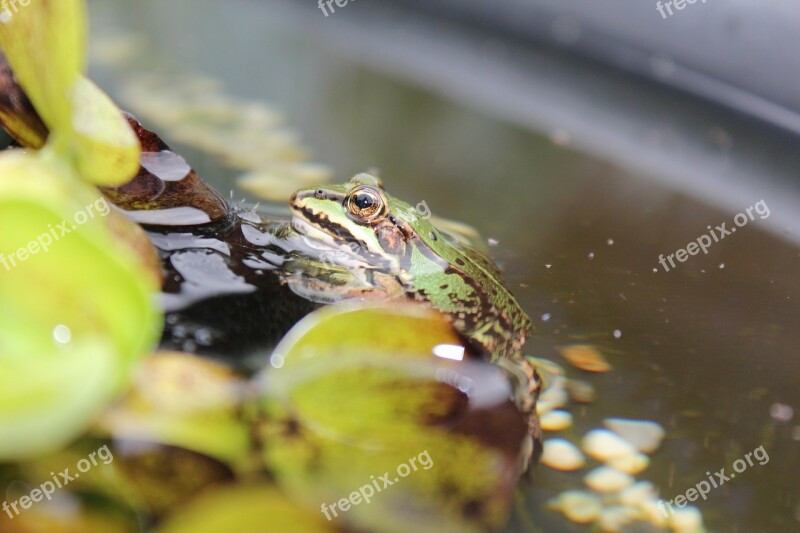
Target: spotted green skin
[421, 261]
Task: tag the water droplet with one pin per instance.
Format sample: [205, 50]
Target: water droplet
[721, 266]
[5, 16]
[591, 255]
[617, 334]
[493, 242]
[203, 337]
[545, 317]
[166, 165]
[610, 242]
[62, 334]
[276, 360]
[548, 266]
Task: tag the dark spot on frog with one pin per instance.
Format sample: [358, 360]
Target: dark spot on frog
[444, 287]
[460, 262]
[433, 236]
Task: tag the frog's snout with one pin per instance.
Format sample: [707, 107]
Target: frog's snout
[298, 199]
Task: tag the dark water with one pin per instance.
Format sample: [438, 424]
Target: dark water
[706, 349]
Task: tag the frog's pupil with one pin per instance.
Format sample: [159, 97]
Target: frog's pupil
[364, 201]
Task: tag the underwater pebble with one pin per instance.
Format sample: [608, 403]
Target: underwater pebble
[585, 357]
[638, 494]
[604, 445]
[546, 366]
[553, 396]
[555, 420]
[653, 513]
[644, 435]
[578, 506]
[561, 454]
[581, 391]
[614, 518]
[687, 520]
[605, 479]
[630, 464]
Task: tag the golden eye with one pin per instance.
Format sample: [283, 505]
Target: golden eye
[365, 203]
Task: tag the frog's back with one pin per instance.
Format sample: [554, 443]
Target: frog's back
[471, 291]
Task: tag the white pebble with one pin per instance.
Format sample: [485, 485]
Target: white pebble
[555, 420]
[604, 445]
[654, 513]
[687, 520]
[605, 479]
[554, 396]
[615, 518]
[561, 454]
[638, 494]
[630, 464]
[578, 506]
[644, 435]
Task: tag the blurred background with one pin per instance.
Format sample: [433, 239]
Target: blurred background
[586, 139]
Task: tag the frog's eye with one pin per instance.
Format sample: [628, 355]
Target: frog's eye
[365, 203]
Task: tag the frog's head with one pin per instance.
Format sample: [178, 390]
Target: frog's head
[359, 218]
[368, 228]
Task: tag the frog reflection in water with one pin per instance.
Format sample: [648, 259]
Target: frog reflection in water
[371, 244]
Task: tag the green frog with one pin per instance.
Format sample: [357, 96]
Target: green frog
[371, 244]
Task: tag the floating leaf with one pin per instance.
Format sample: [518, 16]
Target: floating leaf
[244, 508]
[357, 392]
[186, 401]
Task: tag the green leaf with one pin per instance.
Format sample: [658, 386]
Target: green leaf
[185, 401]
[45, 44]
[244, 508]
[105, 147]
[45, 398]
[356, 392]
[67, 288]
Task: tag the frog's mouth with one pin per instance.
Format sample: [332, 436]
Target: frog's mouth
[304, 227]
[329, 246]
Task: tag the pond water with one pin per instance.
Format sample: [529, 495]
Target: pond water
[708, 349]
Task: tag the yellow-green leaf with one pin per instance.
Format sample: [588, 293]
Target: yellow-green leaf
[355, 392]
[106, 150]
[248, 508]
[45, 44]
[65, 284]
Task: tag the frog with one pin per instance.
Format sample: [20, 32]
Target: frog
[371, 244]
